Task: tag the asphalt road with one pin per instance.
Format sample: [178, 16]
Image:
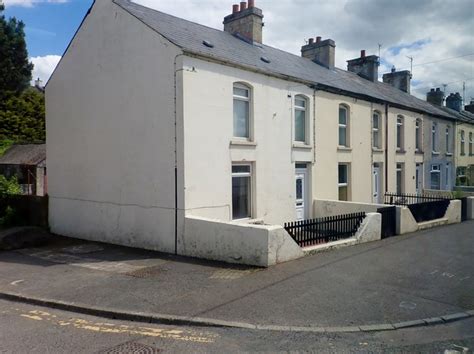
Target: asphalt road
[409, 277]
[30, 329]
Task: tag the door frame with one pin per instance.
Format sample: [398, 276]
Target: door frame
[302, 171]
[377, 166]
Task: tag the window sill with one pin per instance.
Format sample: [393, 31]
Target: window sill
[401, 151]
[463, 154]
[344, 148]
[449, 154]
[435, 152]
[243, 143]
[248, 221]
[302, 146]
[419, 152]
[377, 150]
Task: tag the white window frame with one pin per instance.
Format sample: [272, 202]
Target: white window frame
[448, 139]
[376, 136]
[434, 136]
[400, 168]
[301, 109]
[436, 168]
[463, 143]
[471, 143]
[345, 126]
[250, 197]
[346, 183]
[248, 99]
[418, 130]
[400, 137]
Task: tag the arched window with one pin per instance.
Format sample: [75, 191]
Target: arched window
[463, 141]
[242, 107]
[376, 130]
[343, 125]
[448, 139]
[418, 132]
[301, 104]
[400, 132]
[434, 137]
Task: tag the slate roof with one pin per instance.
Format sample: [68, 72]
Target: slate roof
[227, 48]
[30, 154]
[463, 116]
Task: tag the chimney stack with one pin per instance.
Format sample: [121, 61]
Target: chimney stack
[470, 107]
[245, 21]
[365, 66]
[454, 101]
[321, 52]
[435, 97]
[398, 79]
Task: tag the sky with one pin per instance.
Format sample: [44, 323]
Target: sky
[437, 34]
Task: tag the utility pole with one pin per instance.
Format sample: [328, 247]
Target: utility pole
[380, 46]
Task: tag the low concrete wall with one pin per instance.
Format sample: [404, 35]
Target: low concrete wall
[259, 245]
[470, 208]
[370, 230]
[324, 207]
[406, 223]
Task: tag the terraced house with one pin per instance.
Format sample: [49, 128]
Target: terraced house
[155, 122]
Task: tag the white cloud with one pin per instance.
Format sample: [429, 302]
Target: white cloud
[31, 3]
[44, 66]
[444, 30]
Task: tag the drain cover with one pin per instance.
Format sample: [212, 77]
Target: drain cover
[132, 348]
[145, 272]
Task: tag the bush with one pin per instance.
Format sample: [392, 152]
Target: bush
[9, 186]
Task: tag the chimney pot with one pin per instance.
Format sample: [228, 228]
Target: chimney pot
[251, 3]
[318, 39]
[243, 5]
[311, 40]
[362, 53]
[246, 23]
[235, 8]
[438, 89]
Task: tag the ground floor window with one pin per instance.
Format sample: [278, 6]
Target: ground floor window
[241, 191]
[343, 182]
[399, 178]
[435, 176]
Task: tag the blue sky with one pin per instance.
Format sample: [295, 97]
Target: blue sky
[49, 26]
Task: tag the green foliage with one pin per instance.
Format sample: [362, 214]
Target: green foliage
[9, 186]
[456, 194]
[23, 117]
[9, 218]
[15, 69]
[5, 145]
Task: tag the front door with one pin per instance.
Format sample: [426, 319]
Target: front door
[418, 178]
[376, 184]
[300, 183]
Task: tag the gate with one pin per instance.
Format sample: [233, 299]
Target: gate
[388, 221]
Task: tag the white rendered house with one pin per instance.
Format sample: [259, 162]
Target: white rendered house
[153, 120]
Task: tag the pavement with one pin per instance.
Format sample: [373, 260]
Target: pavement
[420, 279]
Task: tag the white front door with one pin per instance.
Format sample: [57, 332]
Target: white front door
[300, 184]
[376, 184]
[418, 178]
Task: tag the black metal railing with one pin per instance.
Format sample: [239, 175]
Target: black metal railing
[322, 230]
[408, 199]
[389, 224]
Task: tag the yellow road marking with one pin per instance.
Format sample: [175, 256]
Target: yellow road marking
[102, 327]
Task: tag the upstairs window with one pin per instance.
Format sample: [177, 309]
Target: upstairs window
[300, 119]
[242, 98]
[463, 143]
[448, 139]
[400, 133]
[434, 137]
[418, 131]
[343, 126]
[471, 142]
[376, 136]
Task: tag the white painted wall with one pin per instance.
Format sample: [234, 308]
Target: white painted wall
[110, 134]
[323, 208]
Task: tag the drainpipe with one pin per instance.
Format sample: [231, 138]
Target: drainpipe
[176, 154]
[386, 147]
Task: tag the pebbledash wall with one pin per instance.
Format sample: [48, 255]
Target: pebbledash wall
[110, 134]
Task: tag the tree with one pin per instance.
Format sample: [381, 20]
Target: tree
[22, 117]
[15, 68]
